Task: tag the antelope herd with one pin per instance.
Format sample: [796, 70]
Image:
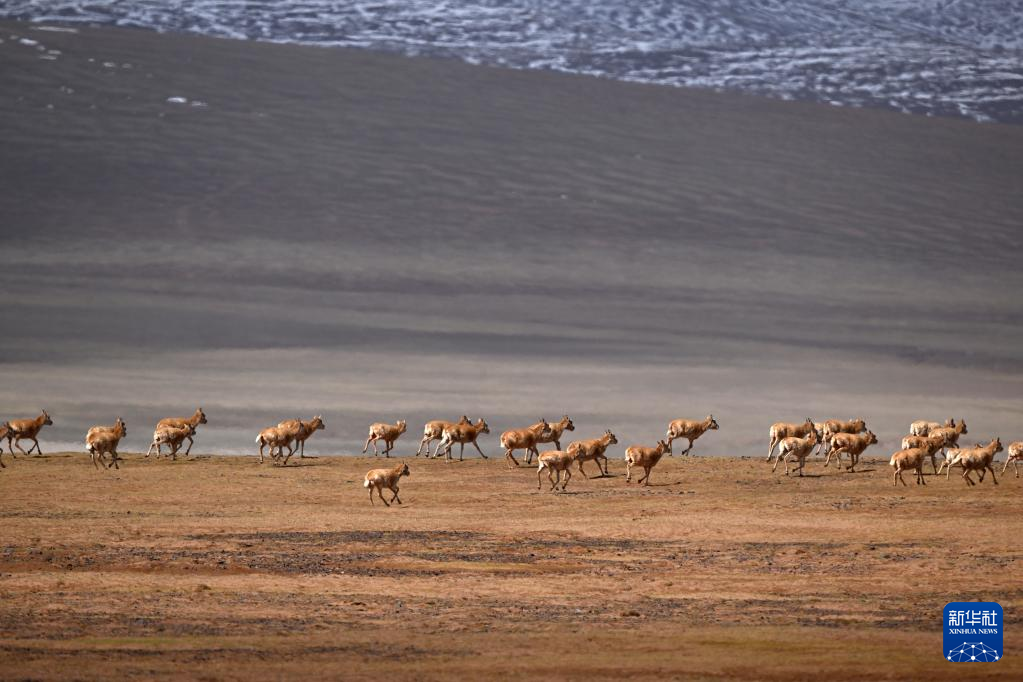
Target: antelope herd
[794, 443]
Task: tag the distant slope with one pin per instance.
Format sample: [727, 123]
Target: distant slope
[945, 57]
[372, 236]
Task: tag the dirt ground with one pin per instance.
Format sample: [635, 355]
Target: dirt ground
[219, 568]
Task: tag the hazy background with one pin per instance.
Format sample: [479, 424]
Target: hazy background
[370, 237]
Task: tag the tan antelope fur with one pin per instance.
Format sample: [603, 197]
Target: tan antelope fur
[171, 436]
[796, 449]
[198, 418]
[527, 438]
[103, 440]
[28, 429]
[904, 460]
[435, 431]
[586, 450]
[831, 427]
[977, 459]
[782, 430]
[852, 444]
[303, 430]
[1015, 455]
[557, 429]
[5, 432]
[462, 434]
[924, 428]
[646, 457]
[277, 438]
[932, 443]
[554, 461]
[690, 430]
[385, 432]
[378, 479]
[951, 433]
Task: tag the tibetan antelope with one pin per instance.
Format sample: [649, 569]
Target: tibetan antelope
[852, 444]
[103, 440]
[171, 436]
[932, 444]
[277, 438]
[462, 434]
[782, 430]
[434, 430]
[385, 432]
[794, 448]
[28, 429]
[554, 461]
[178, 422]
[924, 428]
[5, 432]
[904, 460]
[690, 430]
[646, 457]
[977, 459]
[557, 429]
[1015, 455]
[302, 430]
[378, 479]
[950, 433]
[527, 438]
[831, 427]
[586, 450]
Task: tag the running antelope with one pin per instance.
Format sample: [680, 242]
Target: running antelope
[794, 448]
[646, 457]
[517, 439]
[277, 437]
[171, 436]
[302, 430]
[385, 432]
[1015, 455]
[5, 432]
[782, 430]
[932, 444]
[103, 440]
[924, 428]
[554, 461]
[28, 429]
[435, 431]
[852, 444]
[831, 427]
[557, 429]
[977, 459]
[586, 450]
[951, 433]
[904, 460]
[462, 434]
[378, 479]
[690, 430]
[178, 422]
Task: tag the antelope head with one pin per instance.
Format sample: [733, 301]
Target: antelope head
[46, 419]
[611, 440]
[568, 423]
[713, 422]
